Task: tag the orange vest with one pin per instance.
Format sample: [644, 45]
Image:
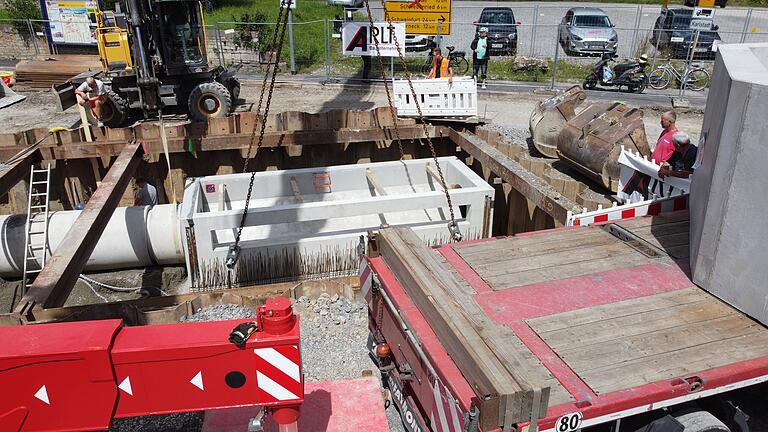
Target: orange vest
[443, 68]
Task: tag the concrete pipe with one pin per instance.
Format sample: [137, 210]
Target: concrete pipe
[134, 237]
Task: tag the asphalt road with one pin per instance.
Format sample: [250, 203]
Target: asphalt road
[537, 34]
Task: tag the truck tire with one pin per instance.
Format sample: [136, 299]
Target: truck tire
[209, 99]
[701, 421]
[234, 89]
[115, 111]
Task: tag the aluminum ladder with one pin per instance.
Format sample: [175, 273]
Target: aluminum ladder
[36, 238]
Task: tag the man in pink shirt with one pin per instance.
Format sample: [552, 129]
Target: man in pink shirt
[664, 146]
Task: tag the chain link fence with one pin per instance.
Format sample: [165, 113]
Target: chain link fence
[535, 45]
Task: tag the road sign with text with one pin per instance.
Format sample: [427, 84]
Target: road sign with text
[357, 40]
[422, 17]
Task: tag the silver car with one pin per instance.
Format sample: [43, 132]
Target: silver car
[587, 30]
[346, 3]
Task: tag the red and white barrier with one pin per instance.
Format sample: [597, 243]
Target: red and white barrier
[628, 211]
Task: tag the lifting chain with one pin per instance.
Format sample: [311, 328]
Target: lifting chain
[453, 227]
[384, 78]
[234, 250]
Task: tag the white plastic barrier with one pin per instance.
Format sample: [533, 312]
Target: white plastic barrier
[437, 98]
[630, 184]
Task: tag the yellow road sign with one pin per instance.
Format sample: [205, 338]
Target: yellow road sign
[419, 6]
[422, 23]
[421, 16]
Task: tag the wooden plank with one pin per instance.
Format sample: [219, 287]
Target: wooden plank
[552, 323]
[618, 351]
[535, 261]
[295, 189]
[54, 283]
[418, 274]
[374, 182]
[582, 267]
[657, 220]
[681, 362]
[234, 141]
[10, 175]
[532, 187]
[642, 321]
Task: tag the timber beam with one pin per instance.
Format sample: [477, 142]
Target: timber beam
[529, 185]
[181, 144]
[54, 283]
[10, 175]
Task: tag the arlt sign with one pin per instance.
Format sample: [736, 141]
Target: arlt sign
[358, 40]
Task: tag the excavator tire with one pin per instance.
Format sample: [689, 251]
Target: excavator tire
[209, 99]
[115, 111]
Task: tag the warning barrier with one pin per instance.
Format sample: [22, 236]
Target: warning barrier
[437, 97]
[628, 211]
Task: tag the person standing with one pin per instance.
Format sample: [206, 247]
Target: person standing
[680, 164]
[480, 55]
[441, 66]
[92, 93]
[664, 146]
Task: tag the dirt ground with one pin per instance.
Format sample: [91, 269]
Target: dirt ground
[513, 110]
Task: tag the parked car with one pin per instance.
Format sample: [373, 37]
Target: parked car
[587, 30]
[419, 42]
[672, 34]
[347, 3]
[502, 29]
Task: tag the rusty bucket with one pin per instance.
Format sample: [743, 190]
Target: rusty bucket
[591, 141]
[550, 116]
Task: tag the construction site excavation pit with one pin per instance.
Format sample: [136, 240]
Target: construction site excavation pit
[307, 223]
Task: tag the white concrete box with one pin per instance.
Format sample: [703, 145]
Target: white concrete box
[436, 97]
[728, 201]
[307, 223]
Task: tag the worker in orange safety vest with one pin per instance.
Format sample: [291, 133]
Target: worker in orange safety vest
[441, 66]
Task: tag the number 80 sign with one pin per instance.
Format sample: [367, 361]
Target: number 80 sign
[569, 422]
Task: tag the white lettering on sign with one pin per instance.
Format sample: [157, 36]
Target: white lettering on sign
[358, 40]
[701, 24]
[411, 422]
[42, 394]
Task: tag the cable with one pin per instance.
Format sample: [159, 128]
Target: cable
[110, 287]
[94, 291]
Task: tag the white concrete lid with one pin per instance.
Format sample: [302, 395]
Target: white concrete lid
[746, 62]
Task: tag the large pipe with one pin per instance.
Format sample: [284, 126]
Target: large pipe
[134, 237]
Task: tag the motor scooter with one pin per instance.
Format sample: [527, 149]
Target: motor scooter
[630, 74]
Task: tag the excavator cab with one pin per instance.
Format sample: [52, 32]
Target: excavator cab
[112, 40]
[182, 33]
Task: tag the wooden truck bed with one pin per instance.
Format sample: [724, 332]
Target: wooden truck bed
[604, 317]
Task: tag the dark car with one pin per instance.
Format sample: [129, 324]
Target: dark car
[502, 29]
[672, 33]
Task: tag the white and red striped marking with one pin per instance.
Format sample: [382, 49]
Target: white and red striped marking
[446, 415]
[366, 280]
[628, 211]
[278, 372]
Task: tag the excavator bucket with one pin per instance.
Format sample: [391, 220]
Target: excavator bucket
[549, 118]
[591, 141]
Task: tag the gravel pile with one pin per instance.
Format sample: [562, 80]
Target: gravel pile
[220, 312]
[516, 136]
[334, 332]
[181, 422]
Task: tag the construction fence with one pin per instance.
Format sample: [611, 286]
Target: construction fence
[536, 46]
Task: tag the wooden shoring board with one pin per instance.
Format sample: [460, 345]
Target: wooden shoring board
[180, 144]
[527, 183]
[669, 233]
[505, 396]
[54, 283]
[621, 345]
[10, 175]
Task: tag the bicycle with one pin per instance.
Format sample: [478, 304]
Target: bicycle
[457, 60]
[693, 77]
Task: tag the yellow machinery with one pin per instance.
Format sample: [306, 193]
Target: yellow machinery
[112, 39]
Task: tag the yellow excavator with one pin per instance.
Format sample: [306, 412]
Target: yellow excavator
[154, 55]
